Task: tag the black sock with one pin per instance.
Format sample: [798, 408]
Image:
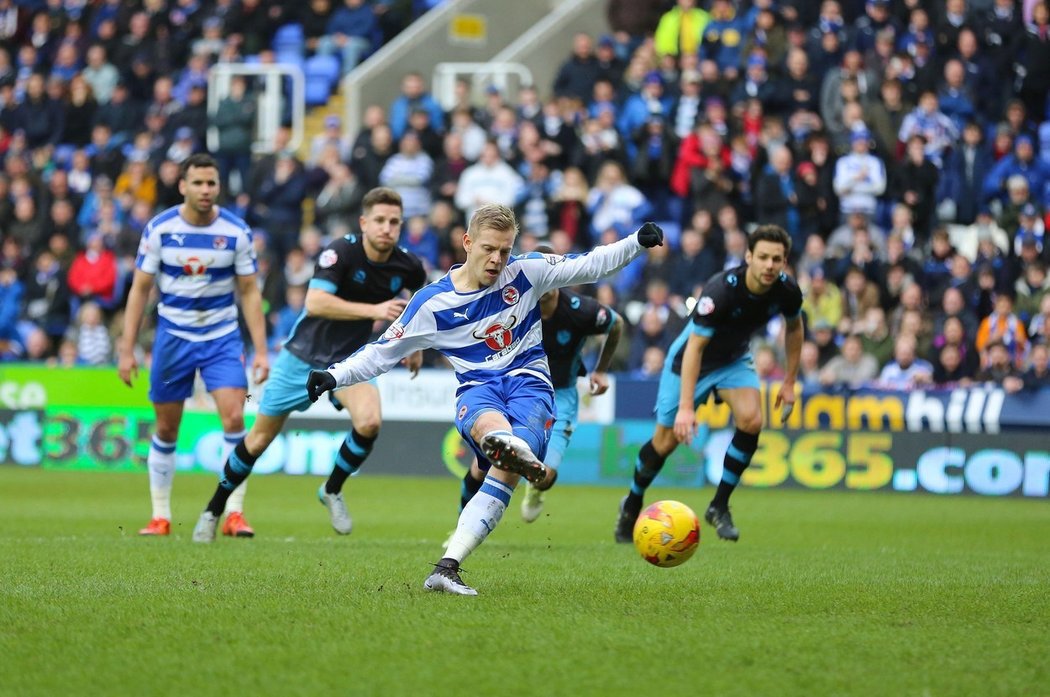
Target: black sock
[352, 454]
[469, 487]
[738, 457]
[648, 466]
[237, 468]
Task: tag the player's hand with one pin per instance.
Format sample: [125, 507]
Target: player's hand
[127, 366]
[785, 399]
[413, 362]
[390, 310]
[260, 367]
[685, 425]
[650, 235]
[599, 383]
[319, 382]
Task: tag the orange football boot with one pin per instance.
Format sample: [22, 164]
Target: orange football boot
[156, 527]
[236, 526]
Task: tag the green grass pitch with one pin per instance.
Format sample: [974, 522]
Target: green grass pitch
[827, 593]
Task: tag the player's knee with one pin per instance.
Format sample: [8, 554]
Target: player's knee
[664, 441]
[233, 421]
[369, 426]
[749, 423]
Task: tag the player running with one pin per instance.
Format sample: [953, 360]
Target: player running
[568, 320]
[357, 280]
[200, 256]
[712, 353]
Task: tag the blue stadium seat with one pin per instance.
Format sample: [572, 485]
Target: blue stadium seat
[289, 37]
[322, 66]
[289, 58]
[318, 90]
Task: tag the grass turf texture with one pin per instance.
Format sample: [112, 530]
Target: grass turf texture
[827, 593]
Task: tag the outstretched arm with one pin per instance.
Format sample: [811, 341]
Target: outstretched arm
[552, 271]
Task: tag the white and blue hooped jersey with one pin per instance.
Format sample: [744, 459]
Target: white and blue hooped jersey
[487, 333]
[195, 269]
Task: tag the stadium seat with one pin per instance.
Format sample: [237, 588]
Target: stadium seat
[289, 57]
[318, 90]
[289, 37]
[322, 66]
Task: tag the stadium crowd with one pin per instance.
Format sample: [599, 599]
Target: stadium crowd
[904, 145]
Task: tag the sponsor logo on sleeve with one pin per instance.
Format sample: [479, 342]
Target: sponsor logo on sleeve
[394, 331]
[706, 306]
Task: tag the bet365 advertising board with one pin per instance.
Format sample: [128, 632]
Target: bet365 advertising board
[963, 441]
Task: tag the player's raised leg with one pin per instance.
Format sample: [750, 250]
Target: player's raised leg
[161, 464]
[362, 403]
[745, 404]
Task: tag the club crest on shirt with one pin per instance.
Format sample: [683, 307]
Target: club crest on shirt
[219, 243]
[564, 336]
[395, 284]
[498, 336]
[706, 306]
[511, 295]
[328, 258]
[359, 276]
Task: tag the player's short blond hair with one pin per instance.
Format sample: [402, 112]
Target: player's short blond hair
[493, 216]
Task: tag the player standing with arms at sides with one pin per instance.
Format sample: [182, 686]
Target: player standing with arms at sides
[712, 353]
[484, 316]
[200, 256]
[357, 281]
[568, 319]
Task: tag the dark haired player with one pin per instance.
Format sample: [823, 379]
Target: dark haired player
[712, 353]
[357, 281]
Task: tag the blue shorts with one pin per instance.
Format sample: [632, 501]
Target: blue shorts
[526, 401]
[285, 391]
[567, 401]
[176, 362]
[739, 373]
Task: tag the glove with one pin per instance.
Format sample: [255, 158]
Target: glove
[319, 382]
[650, 235]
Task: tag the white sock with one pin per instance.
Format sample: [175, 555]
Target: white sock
[236, 501]
[161, 463]
[480, 516]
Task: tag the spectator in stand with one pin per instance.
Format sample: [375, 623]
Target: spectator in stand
[577, 75]
[776, 198]
[1005, 327]
[915, 183]
[823, 300]
[93, 342]
[93, 275]
[1000, 368]
[352, 31]
[859, 295]
[1038, 374]
[338, 202]
[680, 29]
[1039, 327]
[956, 100]
[1030, 229]
[368, 160]
[490, 180]
[723, 38]
[314, 19]
[927, 120]
[949, 369]
[1035, 62]
[11, 293]
[954, 333]
[852, 368]
[652, 331]
[614, 203]
[1022, 161]
[277, 204]
[409, 172]
[961, 180]
[46, 299]
[860, 177]
[234, 119]
[414, 96]
[906, 371]
[1031, 288]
